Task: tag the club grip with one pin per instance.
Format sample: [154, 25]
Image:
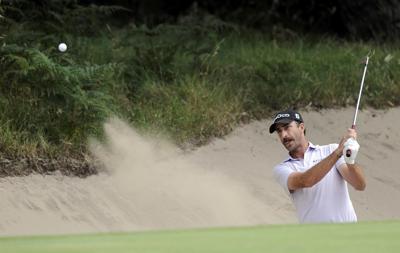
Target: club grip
[348, 152]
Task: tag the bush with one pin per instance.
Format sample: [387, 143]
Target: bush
[61, 101]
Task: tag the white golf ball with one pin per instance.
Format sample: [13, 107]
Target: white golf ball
[62, 47]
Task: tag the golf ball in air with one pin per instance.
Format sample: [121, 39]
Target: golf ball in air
[62, 47]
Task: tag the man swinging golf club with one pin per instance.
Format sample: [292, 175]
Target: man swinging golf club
[316, 176]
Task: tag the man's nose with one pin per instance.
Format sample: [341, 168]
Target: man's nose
[283, 134]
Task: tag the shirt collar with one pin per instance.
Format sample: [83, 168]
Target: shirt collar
[309, 148]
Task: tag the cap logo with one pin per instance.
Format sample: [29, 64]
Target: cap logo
[282, 115]
[297, 116]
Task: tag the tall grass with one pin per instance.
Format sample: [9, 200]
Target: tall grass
[191, 110]
[190, 81]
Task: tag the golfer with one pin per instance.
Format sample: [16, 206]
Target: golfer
[316, 176]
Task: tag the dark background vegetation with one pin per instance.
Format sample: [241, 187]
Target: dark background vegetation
[359, 19]
[192, 70]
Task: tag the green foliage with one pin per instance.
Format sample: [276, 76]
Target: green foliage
[194, 79]
[58, 17]
[166, 52]
[192, 110]
[357, 19]
[43, 96]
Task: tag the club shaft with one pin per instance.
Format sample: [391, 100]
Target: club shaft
[359, 94]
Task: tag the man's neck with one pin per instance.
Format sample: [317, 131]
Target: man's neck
[299, 152]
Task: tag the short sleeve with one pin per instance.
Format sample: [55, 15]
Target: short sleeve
[281, 174]
[340, 161]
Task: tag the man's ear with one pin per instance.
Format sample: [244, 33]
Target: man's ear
[302, 127]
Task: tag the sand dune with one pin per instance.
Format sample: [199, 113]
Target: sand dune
[149, 184]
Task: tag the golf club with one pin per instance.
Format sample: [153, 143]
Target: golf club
[353, 126]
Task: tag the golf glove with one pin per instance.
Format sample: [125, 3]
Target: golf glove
[352, 145]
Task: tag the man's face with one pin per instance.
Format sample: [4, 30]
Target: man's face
[290, 134]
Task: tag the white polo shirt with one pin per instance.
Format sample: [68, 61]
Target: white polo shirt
[326, 201]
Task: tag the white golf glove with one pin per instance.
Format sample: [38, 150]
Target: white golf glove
[352, 145]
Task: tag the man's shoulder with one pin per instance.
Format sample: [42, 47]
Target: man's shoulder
[286, 163]
[283, 164]
[282, 168]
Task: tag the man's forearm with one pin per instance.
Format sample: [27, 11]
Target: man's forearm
[318, 171]
[356, 177]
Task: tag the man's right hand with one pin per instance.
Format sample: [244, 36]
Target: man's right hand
[351, 133]
[350, 150]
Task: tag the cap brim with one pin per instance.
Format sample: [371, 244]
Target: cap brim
[272, 128]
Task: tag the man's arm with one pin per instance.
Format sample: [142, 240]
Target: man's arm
[309, 178]
[354, 175]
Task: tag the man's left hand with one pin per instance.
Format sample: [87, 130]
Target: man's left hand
[352, 145]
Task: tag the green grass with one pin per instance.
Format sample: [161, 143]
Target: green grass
[190, 81]
[361, 237]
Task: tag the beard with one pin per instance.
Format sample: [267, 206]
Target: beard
[289, 144]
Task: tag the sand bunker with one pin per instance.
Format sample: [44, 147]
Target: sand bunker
[148, 183]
